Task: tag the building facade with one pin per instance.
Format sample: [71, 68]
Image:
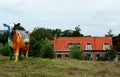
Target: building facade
[93, 46]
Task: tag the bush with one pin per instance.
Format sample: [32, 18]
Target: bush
[40, 48]
[47, 51]
[4, 50]
[102, 58]
[35, 49]
[110, 55]
[32, 48]
[77, 53]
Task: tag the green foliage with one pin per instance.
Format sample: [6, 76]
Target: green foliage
[67, 33]
[38, 37]
[47, 51]
[56, 32]
[35, 49]
[76, 32]
[116, 42]
[32, 49]
[42, 34]
[110, 55]
[3, 37]
[40, 49]
[39, 67]
[102, 58]
[72, 33]
[4, 50]
[77, 53]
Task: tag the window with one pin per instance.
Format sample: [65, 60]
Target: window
[88, 46]
[89, 56]
[58, 55]
[106, 46]
[97, 56]
[78, 45]
[66, 55]
[72, 44]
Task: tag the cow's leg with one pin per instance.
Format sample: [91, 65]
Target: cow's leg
[20, 52]
[11, 53]
[16, 54]
[27, 53]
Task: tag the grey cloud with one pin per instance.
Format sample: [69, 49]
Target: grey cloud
[96, 17]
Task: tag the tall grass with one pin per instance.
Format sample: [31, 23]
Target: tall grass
[38, 67]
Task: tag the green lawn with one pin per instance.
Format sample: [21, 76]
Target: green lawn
[38, 67]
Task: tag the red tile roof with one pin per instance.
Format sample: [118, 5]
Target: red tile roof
[61, 43]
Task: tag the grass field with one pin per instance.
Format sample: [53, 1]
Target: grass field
[38, 67]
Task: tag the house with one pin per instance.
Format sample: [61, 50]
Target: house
[93, 46]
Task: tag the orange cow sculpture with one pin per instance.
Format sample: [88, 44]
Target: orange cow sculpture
[18, 40]
[19, 43]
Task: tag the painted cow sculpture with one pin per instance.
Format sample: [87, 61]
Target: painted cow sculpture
[20, 41]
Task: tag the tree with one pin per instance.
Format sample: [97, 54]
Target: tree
[4, 37]
[56, 32]
[67, 33]
[77, 53]
[47, 51]
[76, 32]
[72, 33]
[4, 50]
[42, 34]
[35, 47]
[116, 42]
[32, 49]
[109, 33]
[111, 54]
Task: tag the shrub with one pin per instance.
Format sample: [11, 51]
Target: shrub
[111, 54]
[47, 51]
[102, 58]
[35, 49]
[4, 50]
[32, 48]
[77, 53]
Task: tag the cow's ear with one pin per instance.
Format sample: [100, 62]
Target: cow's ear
[18, 24]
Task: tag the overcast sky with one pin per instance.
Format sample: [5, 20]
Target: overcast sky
[96, 17]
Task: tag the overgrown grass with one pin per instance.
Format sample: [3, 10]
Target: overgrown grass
[38, 67]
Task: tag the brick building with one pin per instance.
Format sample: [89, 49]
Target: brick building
[93, 46]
